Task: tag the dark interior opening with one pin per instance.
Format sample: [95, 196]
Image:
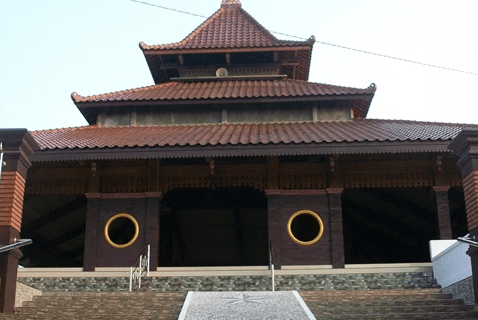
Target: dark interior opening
[389, 225]
[305, 227]
[213, 227]
[121, 230]
[56, 224]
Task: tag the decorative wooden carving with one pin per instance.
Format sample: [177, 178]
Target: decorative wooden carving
[332, 172]
[384, 179]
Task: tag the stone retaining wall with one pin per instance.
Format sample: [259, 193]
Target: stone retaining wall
[462, 290]
[366, 281]
[25, 293]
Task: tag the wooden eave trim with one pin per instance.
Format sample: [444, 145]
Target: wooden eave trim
[277, 64]
[131, 103]
[150, 52]
[339, 148]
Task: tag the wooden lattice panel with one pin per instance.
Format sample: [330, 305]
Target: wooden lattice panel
[387, 179]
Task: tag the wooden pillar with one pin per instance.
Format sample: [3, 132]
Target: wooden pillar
[443, 211]
[465, 146]
[153, 207]
[336, 227]
[18, 146]
[91, 231]
[334, 192]
[274, 224]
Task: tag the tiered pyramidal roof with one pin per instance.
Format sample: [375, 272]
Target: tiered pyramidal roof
[229, 27]
[232, 88]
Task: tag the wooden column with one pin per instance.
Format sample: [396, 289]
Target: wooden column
[18, 146]
[465, 146]
[336, 227]
[91, 231]
[334, 192]
[153, 207]
[443, 210]
[274, 224]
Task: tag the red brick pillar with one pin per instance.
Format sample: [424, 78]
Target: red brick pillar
[18, 145]
[465, 146]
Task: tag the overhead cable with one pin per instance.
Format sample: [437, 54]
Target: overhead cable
[327, 43]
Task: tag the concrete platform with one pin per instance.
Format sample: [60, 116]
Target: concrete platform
[245, 305]
[226, 271]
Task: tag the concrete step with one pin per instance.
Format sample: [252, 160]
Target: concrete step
[369, 304]
[137, 305]
[383, 304]
[401, 316]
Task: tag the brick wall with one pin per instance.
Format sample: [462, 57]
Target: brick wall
[281, 205]
[12, 189]
[143, 208]
[470, 186]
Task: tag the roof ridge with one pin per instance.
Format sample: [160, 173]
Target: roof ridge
[231, 2]
[439, 123]
[64, 129]
[217, 14]
[371, 86]
[75, 96]
[199, 28]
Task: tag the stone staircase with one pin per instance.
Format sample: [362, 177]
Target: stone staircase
[111, 305]
[339, 304]
[396, 295]
[387, 304]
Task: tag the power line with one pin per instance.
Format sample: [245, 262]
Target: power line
[327, 43]
[171, 9]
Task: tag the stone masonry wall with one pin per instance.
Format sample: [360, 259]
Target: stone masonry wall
[462, 290]
[366, 281]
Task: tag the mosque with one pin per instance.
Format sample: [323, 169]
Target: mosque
[230, 154]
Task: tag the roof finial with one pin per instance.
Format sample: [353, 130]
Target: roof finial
[230, 2]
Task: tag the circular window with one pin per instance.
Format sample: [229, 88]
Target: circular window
[305, 227]
[121, 230]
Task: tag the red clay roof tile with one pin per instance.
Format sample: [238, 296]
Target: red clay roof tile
[92, 137]
[245, 89]
[228, 27]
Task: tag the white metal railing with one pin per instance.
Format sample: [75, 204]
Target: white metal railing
[17, 243]
[271, 264]
[140, 269]
[1, 160]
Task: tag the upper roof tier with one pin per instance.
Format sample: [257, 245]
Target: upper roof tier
[229, 27]
[229, 30]
[223, 91]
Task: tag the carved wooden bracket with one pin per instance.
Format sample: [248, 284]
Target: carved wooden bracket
[212, 165]
[93, 168]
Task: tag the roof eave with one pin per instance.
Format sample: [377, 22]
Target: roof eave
[156, 51]
[325, 148]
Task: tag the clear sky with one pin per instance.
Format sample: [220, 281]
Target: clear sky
[51, 48]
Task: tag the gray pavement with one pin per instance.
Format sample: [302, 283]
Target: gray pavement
[245, 305]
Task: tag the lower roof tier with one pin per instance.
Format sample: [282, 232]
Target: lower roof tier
[239, 139]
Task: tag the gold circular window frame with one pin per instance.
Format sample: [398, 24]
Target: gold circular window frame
[136, 233]
[305, 243]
